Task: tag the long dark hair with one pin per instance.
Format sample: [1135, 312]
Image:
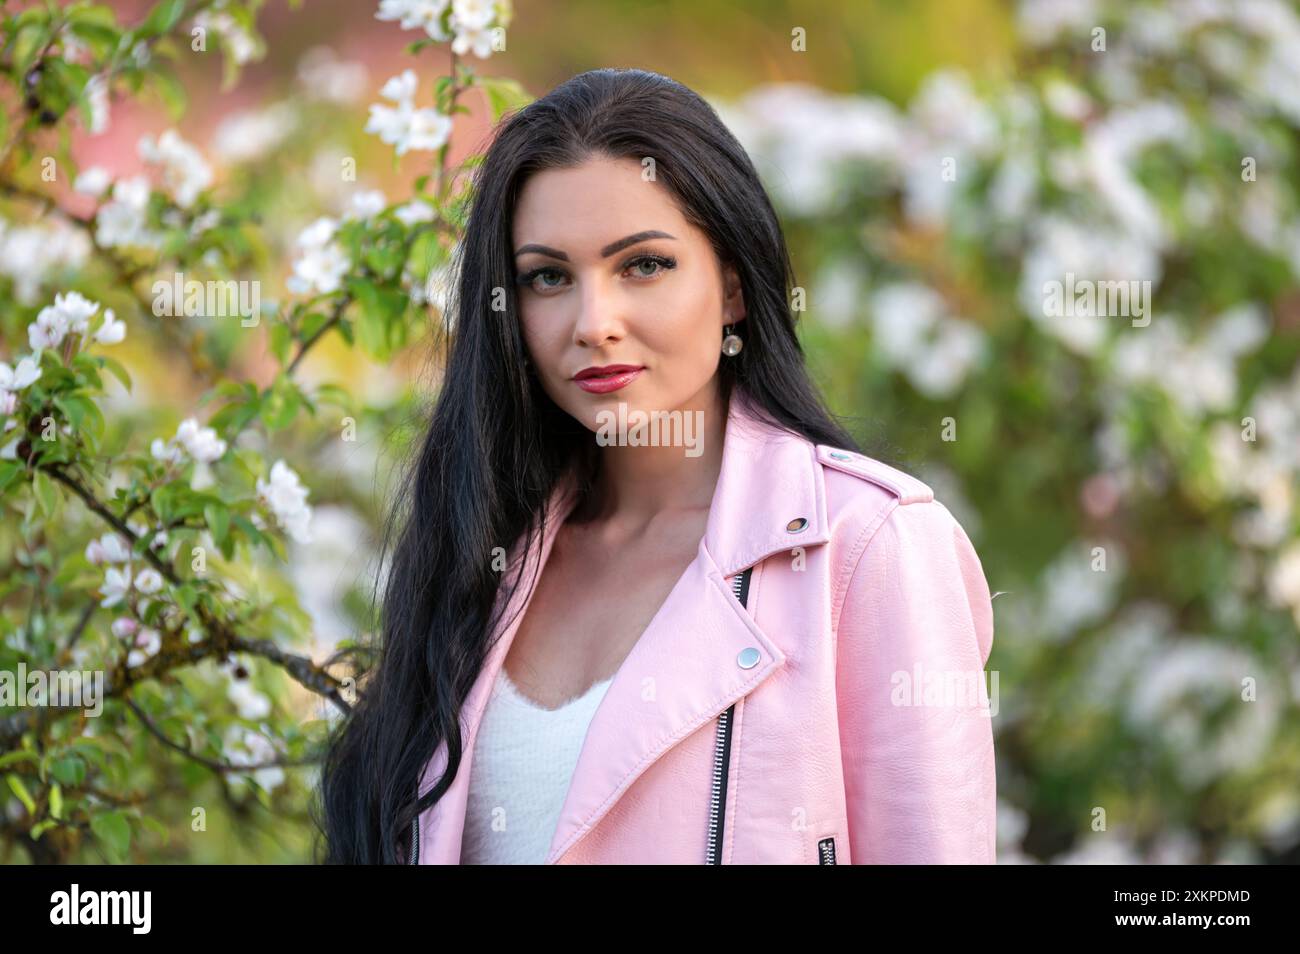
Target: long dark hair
[496, 444]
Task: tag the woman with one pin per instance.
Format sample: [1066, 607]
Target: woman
[693, 642]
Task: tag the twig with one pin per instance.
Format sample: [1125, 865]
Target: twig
[213, 764]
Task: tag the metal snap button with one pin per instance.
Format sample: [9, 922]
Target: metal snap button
[748, 658]
[797, 524]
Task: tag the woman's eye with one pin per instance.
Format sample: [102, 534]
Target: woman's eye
[531, 278]
[659, 262]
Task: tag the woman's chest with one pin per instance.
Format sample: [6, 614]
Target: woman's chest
[590, 606]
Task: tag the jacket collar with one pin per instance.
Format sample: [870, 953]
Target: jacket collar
[683, 670]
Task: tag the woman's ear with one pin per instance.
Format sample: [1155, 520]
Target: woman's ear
[733, 301]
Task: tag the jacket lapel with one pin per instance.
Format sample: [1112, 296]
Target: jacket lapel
[683, 671]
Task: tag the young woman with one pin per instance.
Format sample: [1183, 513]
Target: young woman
[649, 602]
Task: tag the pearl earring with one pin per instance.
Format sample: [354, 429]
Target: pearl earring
[731, 344]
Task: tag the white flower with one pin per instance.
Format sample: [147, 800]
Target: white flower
[286, 498]
[148, 581]
[31, 255]
[428, 130]
[185, 173]
[318, 233]
[124, 627]
[322, 264]
[239, 43]
[116, 584]
[914, 333]
[415, 14]
[414, 212]
[250, 134]
[403, 125]
[165, 451]
[70, 314]
[93, 181]
[477, 41]
[110, 548]
[121, 220]
[24, 373]
[1284, 580]
[96, 91]
[472, 14]
[366, 204]
[111, 331]
[252, 704]
[246, 747]
[471, 20]
[148, 642]
[401, 87]
[201, 443]
[322, 75]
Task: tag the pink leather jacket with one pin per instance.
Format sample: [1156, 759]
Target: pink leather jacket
[793, 714]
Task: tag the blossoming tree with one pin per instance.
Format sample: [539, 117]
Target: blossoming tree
[158, 560]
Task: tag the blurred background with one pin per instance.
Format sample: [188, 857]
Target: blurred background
[1129, 481]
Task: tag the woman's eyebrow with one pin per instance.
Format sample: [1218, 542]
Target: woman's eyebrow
[605, 252]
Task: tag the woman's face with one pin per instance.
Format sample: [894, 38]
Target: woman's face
[609, 272]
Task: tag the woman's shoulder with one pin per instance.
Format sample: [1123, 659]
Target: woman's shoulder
[862, 492]
[894, 483]
[865, 496]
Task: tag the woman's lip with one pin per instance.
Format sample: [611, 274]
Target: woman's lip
[608, 383]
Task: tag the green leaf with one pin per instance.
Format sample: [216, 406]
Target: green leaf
[281, 338]
[10, 472]
[69, 769]
[334, 395]
[172, 93]
[46, 495]
[56, 801]
[41, 827]
[28, 41]
[115, 368]
[97, 14]
[114, 832]
[503, 94]
[346, 331]
[22, 755]
[18, 788]
[162, 18]
[379, 326]
[218, 520]
[164, 501]
[281, 404]
[81, 411]
[235, 415]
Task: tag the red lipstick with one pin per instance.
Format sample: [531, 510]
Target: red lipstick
[610, 377]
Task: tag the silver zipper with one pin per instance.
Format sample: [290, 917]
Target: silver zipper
[722, 752]
[415, 841]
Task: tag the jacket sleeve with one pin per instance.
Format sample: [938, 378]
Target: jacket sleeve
[916, 734]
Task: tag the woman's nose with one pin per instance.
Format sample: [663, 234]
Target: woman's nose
[599, 316]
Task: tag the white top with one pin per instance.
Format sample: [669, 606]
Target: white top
[524, 757]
